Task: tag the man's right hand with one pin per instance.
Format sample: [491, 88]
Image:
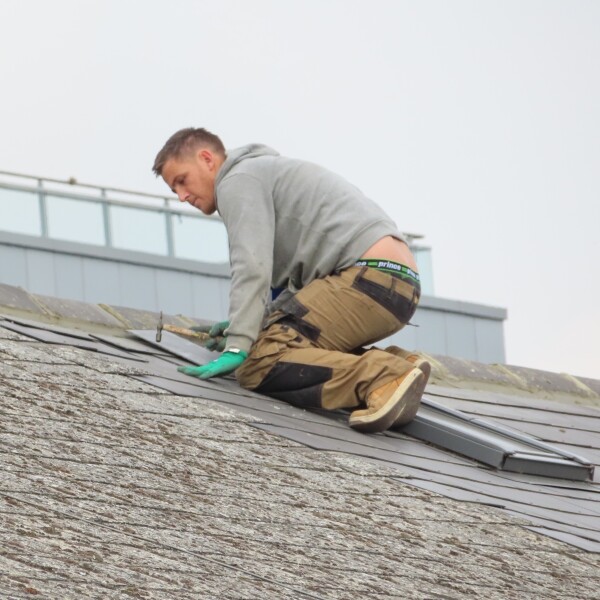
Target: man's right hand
[216, 338]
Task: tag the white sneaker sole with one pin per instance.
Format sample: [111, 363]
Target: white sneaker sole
[400, 408]
[407, 417]
[425, 367]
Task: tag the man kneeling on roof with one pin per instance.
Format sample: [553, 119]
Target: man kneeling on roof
[348, 279]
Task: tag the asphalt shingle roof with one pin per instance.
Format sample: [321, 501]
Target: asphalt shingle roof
[114, 487]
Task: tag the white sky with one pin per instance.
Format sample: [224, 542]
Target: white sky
[476, 123]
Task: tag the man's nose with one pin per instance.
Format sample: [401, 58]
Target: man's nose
[182, 195]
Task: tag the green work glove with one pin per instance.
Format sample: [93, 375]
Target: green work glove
[215, 332]
[225, 364]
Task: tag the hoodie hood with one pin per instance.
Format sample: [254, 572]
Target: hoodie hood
[245, 152]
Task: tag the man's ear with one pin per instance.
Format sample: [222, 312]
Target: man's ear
[207, 157]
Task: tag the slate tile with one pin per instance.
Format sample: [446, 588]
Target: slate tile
[18, 298]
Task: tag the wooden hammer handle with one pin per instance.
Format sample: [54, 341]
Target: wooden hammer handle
[186, 332]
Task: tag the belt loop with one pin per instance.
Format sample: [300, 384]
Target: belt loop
[360, 274]
[415, 296]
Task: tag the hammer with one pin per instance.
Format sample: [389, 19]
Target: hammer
[159, 328]
[180, 330]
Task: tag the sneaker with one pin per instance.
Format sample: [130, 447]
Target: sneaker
[417, 360]
[394, 403]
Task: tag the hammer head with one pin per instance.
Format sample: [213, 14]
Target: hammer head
[159, 328]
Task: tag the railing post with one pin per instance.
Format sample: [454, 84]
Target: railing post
[106, 219]
[170, 231]
[43, 208]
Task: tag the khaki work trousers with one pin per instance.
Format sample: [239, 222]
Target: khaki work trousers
[310, 351]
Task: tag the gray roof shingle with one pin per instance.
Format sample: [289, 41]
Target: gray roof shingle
[123, 478]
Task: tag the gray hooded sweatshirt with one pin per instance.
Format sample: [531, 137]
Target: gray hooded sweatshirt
[288, 222]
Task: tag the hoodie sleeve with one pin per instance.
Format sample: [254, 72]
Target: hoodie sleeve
[246, 207]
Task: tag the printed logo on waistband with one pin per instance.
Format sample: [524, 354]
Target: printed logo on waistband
[389, 266]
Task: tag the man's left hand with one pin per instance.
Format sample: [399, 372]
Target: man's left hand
[225, 364]
[217, 340]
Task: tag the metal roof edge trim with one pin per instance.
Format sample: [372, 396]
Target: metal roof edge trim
[464, 308]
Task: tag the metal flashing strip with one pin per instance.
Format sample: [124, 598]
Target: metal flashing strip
[495, 445]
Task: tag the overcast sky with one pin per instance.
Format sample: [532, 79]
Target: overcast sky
[475, 123]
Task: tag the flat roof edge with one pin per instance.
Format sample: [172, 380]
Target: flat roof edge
[464, 308]
[114, 254]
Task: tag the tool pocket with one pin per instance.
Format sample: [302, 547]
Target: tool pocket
[397, 296]
[292, 313]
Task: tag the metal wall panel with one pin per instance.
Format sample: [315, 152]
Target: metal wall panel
[406, 338]
[210, 298]
[489, 336]
[13, 266]
[101, 282]
[40, 272]
[138, 286]
[174, 292]
[225, 289]
[431, 333]
[68, 275]
[460, 336]
[453, 334]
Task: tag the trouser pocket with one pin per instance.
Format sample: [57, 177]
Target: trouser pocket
[399, 297]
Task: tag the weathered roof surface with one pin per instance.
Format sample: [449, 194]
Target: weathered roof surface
[113, 486]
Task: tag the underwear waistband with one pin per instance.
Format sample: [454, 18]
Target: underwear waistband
[389, 266]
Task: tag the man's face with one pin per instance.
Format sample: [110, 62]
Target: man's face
[192, 178]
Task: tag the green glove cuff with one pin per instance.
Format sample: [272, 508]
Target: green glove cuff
[225, 364]
[216, 344]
